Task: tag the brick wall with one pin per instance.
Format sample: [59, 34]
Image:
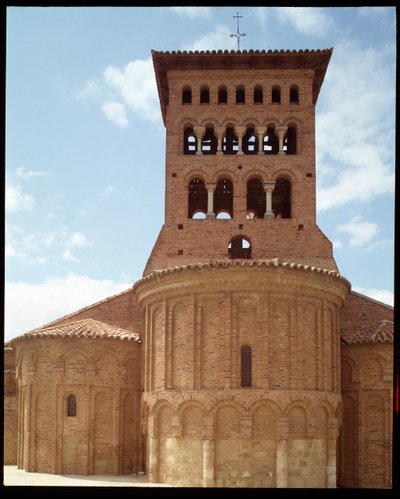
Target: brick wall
[10, 414]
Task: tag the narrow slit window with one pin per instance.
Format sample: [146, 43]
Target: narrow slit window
[187, 95]
[245, 366]
[71, 406]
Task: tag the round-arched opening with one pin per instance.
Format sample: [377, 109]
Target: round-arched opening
[186, 95]
[223, 215]
[258, 95]
[282, 198]
[197, 197]
[199, 215]
[256, 199]
[223, 197]
[222, 95]
[239, 248]
[294, 94]
[240, 95]
[204, 95]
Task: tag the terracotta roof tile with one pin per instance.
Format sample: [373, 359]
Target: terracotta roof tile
[85, 328]
[379, 332]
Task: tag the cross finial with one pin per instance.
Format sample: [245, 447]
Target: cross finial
[237, 34]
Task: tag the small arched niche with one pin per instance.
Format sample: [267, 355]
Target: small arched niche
[239, 248]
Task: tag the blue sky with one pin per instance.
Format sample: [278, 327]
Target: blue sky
[85, 144]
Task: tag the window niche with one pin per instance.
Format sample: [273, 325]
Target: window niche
[71, 406]
[245, 367]
[186, 95]
[222, 95]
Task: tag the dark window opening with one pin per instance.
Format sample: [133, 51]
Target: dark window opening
[209, 143]
[222, 95]
[281, 198]
[189, 141]
[250, 142]
[71, 405]
[197, 197]
[271, 142]
[256, 198]
[245, 366]
[239, 248]
[276, 95]
[294, 95]
[258, 95]
[204, 96]
[289, 142]
[230, 143]
[240, 95]
[223, 198]
[187, 95]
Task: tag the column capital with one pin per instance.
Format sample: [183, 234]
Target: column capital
[240, 130]
[281, 130]
[269, 185]
[260, 129]
[210, 186]
[219, 131]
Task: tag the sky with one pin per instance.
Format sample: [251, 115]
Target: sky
[85, 142]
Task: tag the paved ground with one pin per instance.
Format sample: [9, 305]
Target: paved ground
[13, 476]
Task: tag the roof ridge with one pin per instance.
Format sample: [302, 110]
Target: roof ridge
[94, 329]
[243, 263]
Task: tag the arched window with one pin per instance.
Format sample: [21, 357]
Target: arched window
[189, 141]
[281, 198]
[186, 95]
[197, 197]
[239, 248]
[271, 142]
[223, 197]
[294, 94]
[222, 95]
[289, 142]
[250, 142]
[230, 143]
[276, 95]
[204, 95]
[245, 366]
[258, 95]
[240, 95]
[71, 405]
[256, 199]
[209, 143]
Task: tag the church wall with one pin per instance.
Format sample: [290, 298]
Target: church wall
[10, 413]
[80, 405]
[248, 436]
[365, 441]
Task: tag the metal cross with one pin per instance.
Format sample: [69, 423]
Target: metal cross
[237, 34]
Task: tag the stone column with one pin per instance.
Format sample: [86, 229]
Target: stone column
[210, 186]
[240, 131]
[281, 132]
[268, 188]
[153, 459]
[331, 463]
[219, 132]
[281, 464]
[208, 462]
[199, 132]
[260, 131]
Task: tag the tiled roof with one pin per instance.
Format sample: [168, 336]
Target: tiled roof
[85, 328]
[379, 332]
[274, 262]
[251, 51]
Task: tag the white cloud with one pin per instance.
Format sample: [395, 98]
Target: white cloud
[310, 21]
[193, 12]
[116, 113]
[372, 11]
[16, 200]
[337, 244]
[381, 295]
[361, 232]
[218, 39]
[30, 305]
[355, 128]
[27, 174]
[36, 248]
[109, 191]
[135, 86]
[68, 256]
[77, 239]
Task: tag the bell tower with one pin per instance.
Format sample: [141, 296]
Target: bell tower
[240, 157]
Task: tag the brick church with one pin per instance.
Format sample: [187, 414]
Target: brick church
[241, 358]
